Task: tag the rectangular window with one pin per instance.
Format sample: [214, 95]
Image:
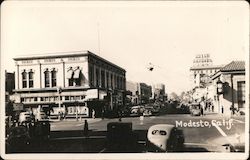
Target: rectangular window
[111, 79]
[35, 99]
[97, 73]
[66, 97]
[31, 80]
[24, 79]
[107, 79]
[241, 91]
[91, 75]
[103, 79]
[53, 78]
[46, 79]
[115, 84]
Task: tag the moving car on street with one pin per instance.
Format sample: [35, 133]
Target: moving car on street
[195, 109]
[164, 138]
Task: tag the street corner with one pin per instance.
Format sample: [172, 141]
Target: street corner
[232, 139]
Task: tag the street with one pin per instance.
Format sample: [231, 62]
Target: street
[202, 133]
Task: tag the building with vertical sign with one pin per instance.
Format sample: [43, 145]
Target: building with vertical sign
[74, 83]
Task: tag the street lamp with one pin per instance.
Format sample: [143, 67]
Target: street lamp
[219, 87]
[59, 91]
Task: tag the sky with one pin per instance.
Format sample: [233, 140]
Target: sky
[130, 34]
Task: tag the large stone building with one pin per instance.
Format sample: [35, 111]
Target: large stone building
[202, 69]
[233, 94]
[200, 75]
[74, 83]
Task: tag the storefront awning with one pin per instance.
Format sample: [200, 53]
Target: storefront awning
[70, 74]
[77, 74]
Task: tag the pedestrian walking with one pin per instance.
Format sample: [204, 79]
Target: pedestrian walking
[222, 109]
[86, 128]
[93, 113]
[202, 111]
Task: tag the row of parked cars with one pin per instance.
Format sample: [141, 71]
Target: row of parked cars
[27, 116]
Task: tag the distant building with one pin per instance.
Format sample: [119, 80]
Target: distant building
[145, 92]
[202, 69]
[234, 88]
[159, 92]
[140, 92]
[74, 83]
[133, 97]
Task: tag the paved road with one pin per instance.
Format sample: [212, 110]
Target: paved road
[213, 131]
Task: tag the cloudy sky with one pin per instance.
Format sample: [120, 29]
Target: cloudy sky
[131, 34]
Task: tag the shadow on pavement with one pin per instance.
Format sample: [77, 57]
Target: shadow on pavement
[95, 142]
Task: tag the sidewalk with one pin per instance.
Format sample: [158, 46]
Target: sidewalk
[90, 120]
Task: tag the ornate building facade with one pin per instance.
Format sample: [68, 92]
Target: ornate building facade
[75, 83]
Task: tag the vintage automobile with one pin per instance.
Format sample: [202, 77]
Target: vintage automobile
[195, 109]
[24, 117]
[41, 116]
[164, 138]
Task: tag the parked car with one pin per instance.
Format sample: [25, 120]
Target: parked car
[41, 116]
[195, 109]
[24, 117]
[164, 138]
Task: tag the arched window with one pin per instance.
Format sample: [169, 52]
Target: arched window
[46, 78]
[53, 77]
[24, 79]
[31, 79]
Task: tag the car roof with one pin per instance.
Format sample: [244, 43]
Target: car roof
[162, 126]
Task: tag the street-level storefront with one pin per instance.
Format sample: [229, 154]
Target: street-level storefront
[71, 103]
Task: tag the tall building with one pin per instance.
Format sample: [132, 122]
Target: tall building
[159, 92]
[75, 83]
[202, 69]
